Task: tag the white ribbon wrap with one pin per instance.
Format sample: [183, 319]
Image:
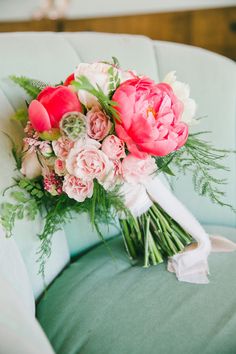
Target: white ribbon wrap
[192, 264]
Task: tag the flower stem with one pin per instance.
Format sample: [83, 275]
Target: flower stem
[155, 235]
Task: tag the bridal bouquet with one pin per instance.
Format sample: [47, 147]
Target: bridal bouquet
[98, 143]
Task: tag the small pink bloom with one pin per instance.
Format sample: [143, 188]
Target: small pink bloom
[136, 170]
[51, 104]
[52, 183]
[77, 189]
[30, 132]
[87, 162]
[113, 147]
[150, 118]
[60, 167]
[62, 147]
[98, 124]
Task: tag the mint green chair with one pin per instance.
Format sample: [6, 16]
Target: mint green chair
[97, 304]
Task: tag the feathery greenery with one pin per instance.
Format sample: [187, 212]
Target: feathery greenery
[202, 159]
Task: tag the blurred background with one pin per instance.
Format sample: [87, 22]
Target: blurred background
[210, 24]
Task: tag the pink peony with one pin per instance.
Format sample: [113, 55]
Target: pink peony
[150, 117]
[60, 167]
[98, 124]
[62, 147]
[52, 103]
[87, 161]
[77, 188]
[136, 170]
[113, 147]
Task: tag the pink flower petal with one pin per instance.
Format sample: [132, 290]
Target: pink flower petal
[39, 116]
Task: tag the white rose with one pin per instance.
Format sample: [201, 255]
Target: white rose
[97, 74]
[112, 175]
[31, 167]
[182, 91]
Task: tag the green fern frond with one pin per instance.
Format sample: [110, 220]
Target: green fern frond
[31, 86]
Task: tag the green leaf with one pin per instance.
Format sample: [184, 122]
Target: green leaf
[19, 197]
[16, 151]
[21, 116]
[116, 62]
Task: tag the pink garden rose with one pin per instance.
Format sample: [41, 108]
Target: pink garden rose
[62, 147]
[136, 170]
[51, 104]
[77, 188]
[60, 167]
[113, 147]
[150, 117]
[98, 124]
[87, 161]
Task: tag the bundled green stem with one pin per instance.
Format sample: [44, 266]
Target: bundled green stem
[154, 236]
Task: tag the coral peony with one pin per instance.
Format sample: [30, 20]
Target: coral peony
[150, 117]
[52, 103]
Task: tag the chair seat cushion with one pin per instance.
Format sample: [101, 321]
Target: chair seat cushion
[104, 305]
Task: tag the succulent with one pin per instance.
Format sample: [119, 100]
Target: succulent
[73, 125]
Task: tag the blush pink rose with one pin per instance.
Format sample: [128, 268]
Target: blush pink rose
[51, 104]
[113, 147]
[62, 147]
[98, 124]
[60, 167]
[77, 189]
[136, 170]
[150, 118]
[87, 162]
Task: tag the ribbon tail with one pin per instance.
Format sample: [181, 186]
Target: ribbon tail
[222, 244]
[190, 265]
